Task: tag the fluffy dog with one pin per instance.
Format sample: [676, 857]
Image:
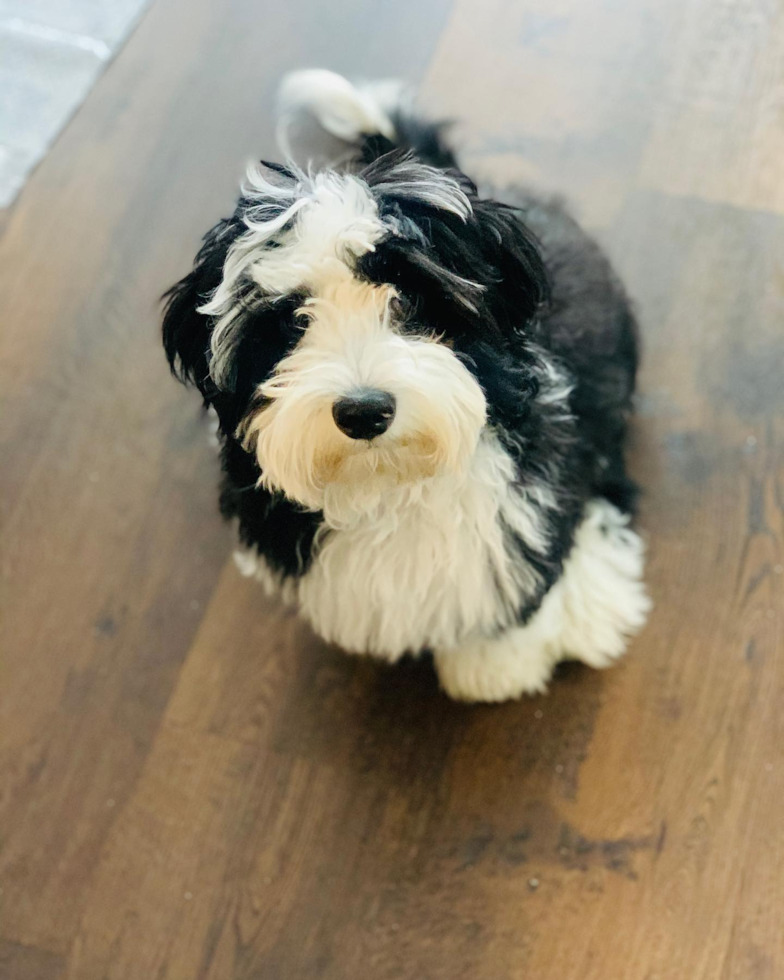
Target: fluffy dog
[422, 394]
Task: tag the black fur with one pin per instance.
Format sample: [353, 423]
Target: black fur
[547, 286]
[515, 283]
[281, 529]
[186, 332]
[425, 139]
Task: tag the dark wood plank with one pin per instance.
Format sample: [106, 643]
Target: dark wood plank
[193, 786]
[717, 131]
[563, 96]
[111, 543]
[28, 963]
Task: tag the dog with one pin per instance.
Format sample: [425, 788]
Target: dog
[422, 394]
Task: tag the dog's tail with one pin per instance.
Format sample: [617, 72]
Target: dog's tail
[324, 118]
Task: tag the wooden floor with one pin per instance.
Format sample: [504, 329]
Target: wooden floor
[192, 786]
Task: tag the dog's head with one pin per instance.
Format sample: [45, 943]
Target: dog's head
[357, 331]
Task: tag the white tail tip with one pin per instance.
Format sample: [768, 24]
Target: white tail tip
[344, 110]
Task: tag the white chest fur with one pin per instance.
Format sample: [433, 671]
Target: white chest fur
[430, 569]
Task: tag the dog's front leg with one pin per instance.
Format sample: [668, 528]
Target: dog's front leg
[588, 615]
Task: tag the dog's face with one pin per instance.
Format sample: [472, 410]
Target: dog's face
[357, 331]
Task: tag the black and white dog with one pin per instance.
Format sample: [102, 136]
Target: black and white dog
[422, 393]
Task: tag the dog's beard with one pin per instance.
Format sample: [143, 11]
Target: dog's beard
[440, 413]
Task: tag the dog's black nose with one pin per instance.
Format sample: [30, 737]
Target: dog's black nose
[365, 414]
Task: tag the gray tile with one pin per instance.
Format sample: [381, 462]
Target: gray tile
[103, 20]
[41, 84]
[51, 52]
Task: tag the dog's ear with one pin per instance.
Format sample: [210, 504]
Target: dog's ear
[473, 255]
[514, 255]
[186, 331]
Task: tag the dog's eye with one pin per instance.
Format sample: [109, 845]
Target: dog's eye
[397, 308]
[301, 321]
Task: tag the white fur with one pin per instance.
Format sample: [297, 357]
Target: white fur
[350, 344]
[337, 222]
[319, 225]
[428, 568]
[555, 386]
[439, 576]
[345, 110]
[350, 112]
[251, 565]
[413, 551]
[588, 615]
[421, 182]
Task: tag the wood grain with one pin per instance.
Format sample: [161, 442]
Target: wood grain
[191, 785]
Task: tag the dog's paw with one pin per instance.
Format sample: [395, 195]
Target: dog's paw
[502, 669]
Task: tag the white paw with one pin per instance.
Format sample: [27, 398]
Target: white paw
[600, 600]
[252, 565]
[495, 670]
[588, 615]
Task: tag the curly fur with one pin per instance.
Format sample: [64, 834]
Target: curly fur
[489, 522]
